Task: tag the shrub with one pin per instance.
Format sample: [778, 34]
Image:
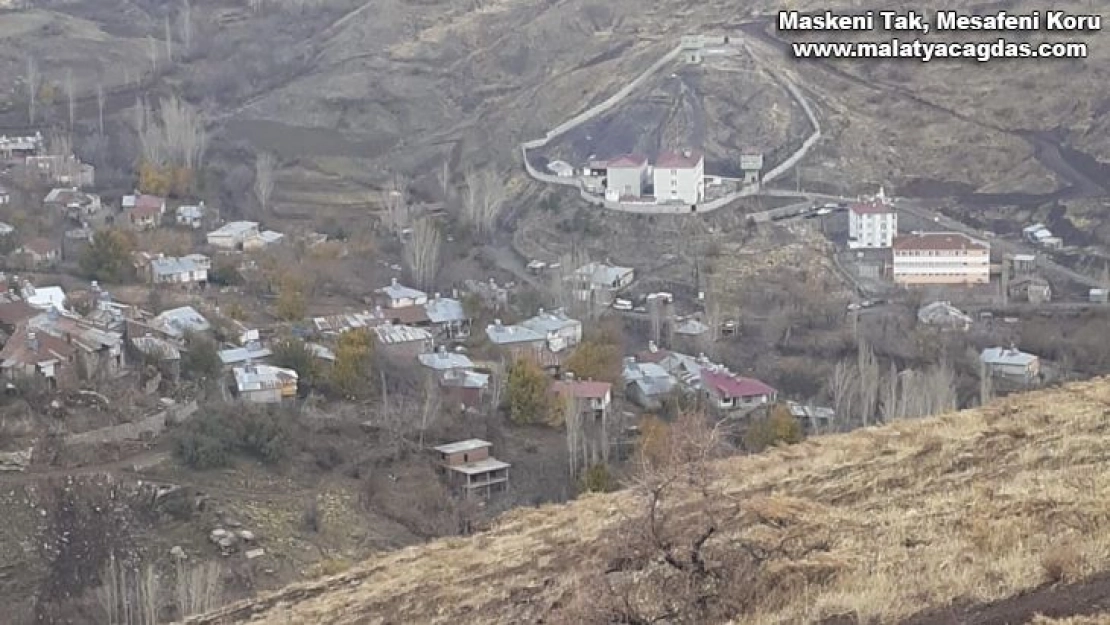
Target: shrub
[213, 438]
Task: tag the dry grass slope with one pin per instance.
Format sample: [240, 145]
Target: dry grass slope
[973, 506]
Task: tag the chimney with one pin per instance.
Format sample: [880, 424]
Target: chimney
[569, 375]
[492, 282]
[702, 359]
[33, 342]
[95, 286]
[442, 351]
[686, 153]
[540, 313]
[393, 282]
[652, 347]
[497, 323]
[435, 296]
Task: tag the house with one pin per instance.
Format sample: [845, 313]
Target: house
[812, 418]
[191, 269]
[175, 323]
[14, 311]
[690, 326]
[191, 216]
[469, 467]
[74, 203]
[1098, 296]
[561, 331]
[944, 315]
[262, 239]
[1011, 363]
[404, 341]
[561, 169]
[627, 176]
[1036, 233]
[244, 355]
[871, 225]
[591, 398]
[342, 322]
[397, 295]
[732, 392]
[44, 298]
[265, 384]
[40, 252]
[598, 282]
[1023, 264]
[144, 211]
[512, 336]
[27, 353]
[97, 350]
[940, 258]
[442, 361]
[679, 177]
[62, 169]
[160, 352]
[464, 387]
[20, 147]
[232, 235]
[646, 383]
[448, 316]
[1033, 289]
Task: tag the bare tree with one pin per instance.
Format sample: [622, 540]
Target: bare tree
[197, 588]
[484, 195]
[430, 408]
[986, 386]
[867, 369]
[445, 180]
[33, 79]
[843, 386]
[169, 38]
[264, 179]
[176, 136]
[186, 19]
[422, 251]
[395, 202]
[152, 52]
[100, 107]
[129, 596]
[70, 95]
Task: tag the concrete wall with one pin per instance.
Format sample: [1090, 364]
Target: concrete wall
[151, 426]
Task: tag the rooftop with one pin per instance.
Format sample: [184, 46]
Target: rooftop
[731, 385]
[552, 321]
[262, 377]
[871, 208]
[459, 447]
[687, 159]
[582, 389]
[480, 466]
[177, 321]
[169, 265]
[397, 291]
[444, 310]
[243, 354]
[235, 229]
[1006, 356]
[391, 334]
[602, 274]
[627, 161]
[503, 334]
[442, 360]
[22, 350]
[154, 346]
[938, 241]
[41, 246]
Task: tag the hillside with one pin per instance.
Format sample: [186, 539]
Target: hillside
[890, 525]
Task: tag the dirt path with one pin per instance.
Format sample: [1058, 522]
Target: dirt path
[1090, 596]
[132, 464]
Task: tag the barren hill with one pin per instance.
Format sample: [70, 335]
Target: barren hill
[968, 510]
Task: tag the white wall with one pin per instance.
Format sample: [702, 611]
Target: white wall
[627, 181]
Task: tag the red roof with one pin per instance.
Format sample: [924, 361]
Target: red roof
[40, 246]
[871, 208]
[939, 241]
[678, 160]
[582, 389]
[656, 357]
[149, 202]
[406, 315]
[628, 161]
[728, 385]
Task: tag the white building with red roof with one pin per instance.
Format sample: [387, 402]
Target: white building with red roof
[940, 258]
[679, 177]
[733, 392]
[871, 225]
[627, 176]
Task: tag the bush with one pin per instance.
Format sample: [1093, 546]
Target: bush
[598, 479]
[212, 439]
[780, 427]
[201, 359]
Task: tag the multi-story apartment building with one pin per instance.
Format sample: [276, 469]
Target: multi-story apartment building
[871, 225]
[939, 258]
